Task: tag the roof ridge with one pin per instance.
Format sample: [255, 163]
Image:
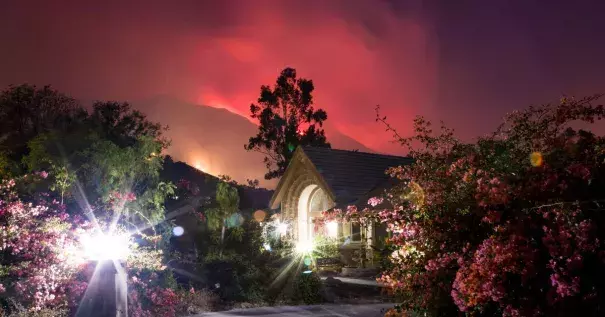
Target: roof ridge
[357, 152]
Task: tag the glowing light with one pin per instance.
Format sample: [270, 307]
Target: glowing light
[282, 228]
[536, 159]
[307, 261]
[105, 247]
[259, 215]
[332, 227]
[198, 165]
[414, 193]
[307, 272]
[267, 247]
[304, 247]
[235, 220]
[178, 231]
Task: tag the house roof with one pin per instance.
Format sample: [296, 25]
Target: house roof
[350, 175]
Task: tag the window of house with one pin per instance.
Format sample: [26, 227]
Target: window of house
[319, 201]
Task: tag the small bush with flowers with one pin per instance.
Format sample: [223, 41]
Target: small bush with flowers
[511, 225]
[43, 268]
[38, 251]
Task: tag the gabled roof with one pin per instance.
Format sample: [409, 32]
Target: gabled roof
[350, 175]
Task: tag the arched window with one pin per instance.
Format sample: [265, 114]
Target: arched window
[319, 201]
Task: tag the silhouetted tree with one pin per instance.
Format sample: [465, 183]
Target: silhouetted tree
[287, 119]
[27, 111]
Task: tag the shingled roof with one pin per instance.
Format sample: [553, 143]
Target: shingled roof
[351, 174]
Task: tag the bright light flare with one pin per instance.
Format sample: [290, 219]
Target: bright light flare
[282, 228]
[332, 227]
[178, 231]
[105, 247]
[304, 247]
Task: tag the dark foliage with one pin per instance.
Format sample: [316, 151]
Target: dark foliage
[287, 119]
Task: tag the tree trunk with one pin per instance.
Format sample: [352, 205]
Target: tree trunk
[222, 239]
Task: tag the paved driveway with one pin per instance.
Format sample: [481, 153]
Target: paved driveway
[370, 310]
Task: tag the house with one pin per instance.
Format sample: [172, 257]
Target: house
[318, 179]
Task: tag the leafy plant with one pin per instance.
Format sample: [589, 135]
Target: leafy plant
[308, 288]
[227, 200]
[326, 247]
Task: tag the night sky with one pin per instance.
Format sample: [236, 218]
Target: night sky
[465, 62]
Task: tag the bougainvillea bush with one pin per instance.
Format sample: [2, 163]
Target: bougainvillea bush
[44, 269]
[512, 224]
[37, 246]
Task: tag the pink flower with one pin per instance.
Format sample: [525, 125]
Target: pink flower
[375, 201]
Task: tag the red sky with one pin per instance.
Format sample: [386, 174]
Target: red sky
[466, 63]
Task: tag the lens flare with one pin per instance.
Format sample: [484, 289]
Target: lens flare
[414, 193]
[105, 247]
[304, 247]
[259, 215]
[536, 159]
[178, 231]
[282, 228]
[307, 261]
[235, 220]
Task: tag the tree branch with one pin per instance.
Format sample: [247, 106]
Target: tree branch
[266, 153]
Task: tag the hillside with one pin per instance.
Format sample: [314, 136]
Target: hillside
[250, 198]
[213, 139]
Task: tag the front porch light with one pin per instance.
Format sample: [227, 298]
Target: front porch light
[304, 247]
[105, 247]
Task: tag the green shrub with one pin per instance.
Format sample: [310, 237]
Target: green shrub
[308, 289]
[244, 271]
[326, 247]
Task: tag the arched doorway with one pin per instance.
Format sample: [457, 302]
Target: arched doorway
[303, 214]
[313, 200]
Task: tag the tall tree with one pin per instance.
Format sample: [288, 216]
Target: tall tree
[227, 204]
[27, 111]
[114, 148]
[286, 119]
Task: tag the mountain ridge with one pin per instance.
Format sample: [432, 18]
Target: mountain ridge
[212, 139]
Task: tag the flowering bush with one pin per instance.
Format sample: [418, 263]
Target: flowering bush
[38, 250]
[510, 225]
[43, 268]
